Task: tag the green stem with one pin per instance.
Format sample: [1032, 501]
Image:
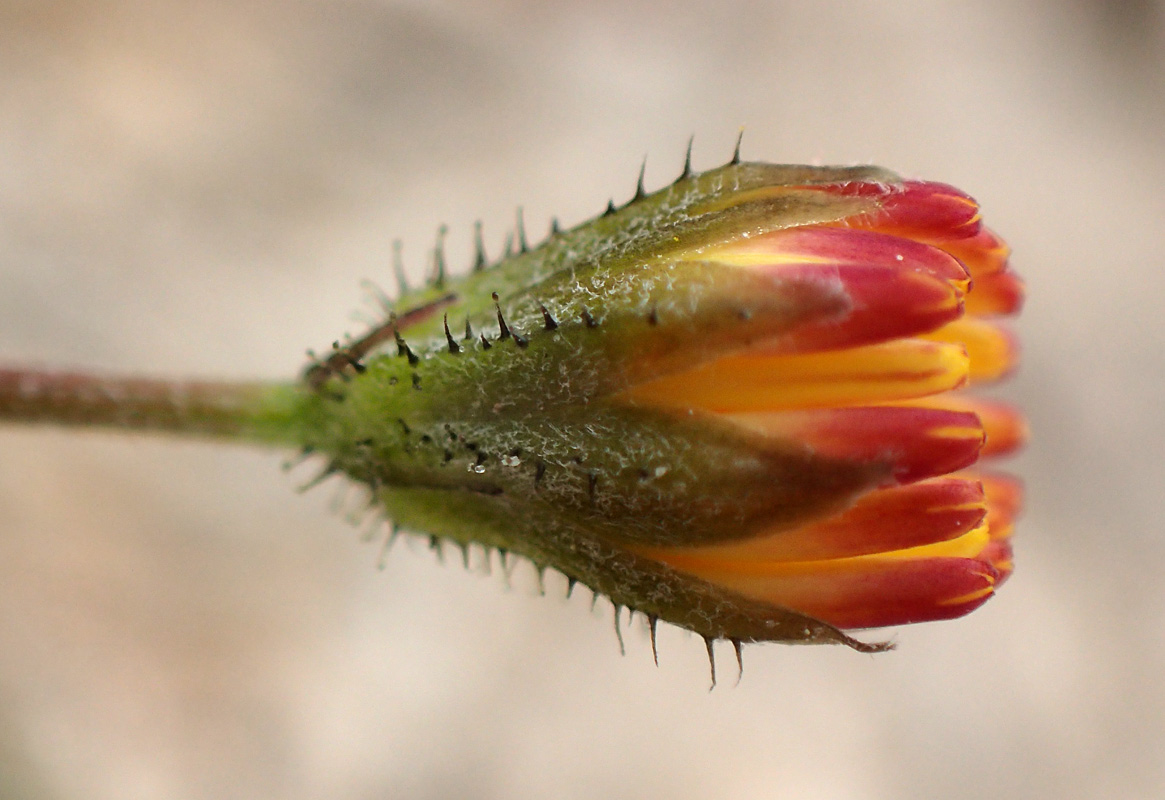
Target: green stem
[254, 411]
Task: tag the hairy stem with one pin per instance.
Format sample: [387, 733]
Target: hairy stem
[246, 410]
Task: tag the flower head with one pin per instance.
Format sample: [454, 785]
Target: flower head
[736, 404]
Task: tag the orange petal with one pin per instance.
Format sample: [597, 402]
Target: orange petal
[1004, 495]
[995, 294]
[998, 554]
[982, 254]
[899, 369]
[993, 350]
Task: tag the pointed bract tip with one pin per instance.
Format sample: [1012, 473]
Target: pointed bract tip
[619, 630]
[503, 329]
[402, 349]
[652, 623]
[454, 348]
[708, 642]
[640, 192]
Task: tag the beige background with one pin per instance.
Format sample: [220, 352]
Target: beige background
[198, 187]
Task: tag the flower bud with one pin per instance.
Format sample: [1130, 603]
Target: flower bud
[735, 404]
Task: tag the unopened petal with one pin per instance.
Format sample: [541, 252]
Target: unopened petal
[996, 295]
[998, 554]
[917, 442]
[982, 254]
[900, 369]
[992, 348]
[877, 594]
[925, 211]
[884, 305]
[892, 286]
[998, 551]
[1004, 426]
[882, 520]
[1004, 495]
[841, 247]
[938, 581]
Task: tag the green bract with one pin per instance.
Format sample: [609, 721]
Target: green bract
[487, 409]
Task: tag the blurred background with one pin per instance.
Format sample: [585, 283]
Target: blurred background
[199, 187]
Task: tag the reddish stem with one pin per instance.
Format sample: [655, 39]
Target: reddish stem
[242, 410]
